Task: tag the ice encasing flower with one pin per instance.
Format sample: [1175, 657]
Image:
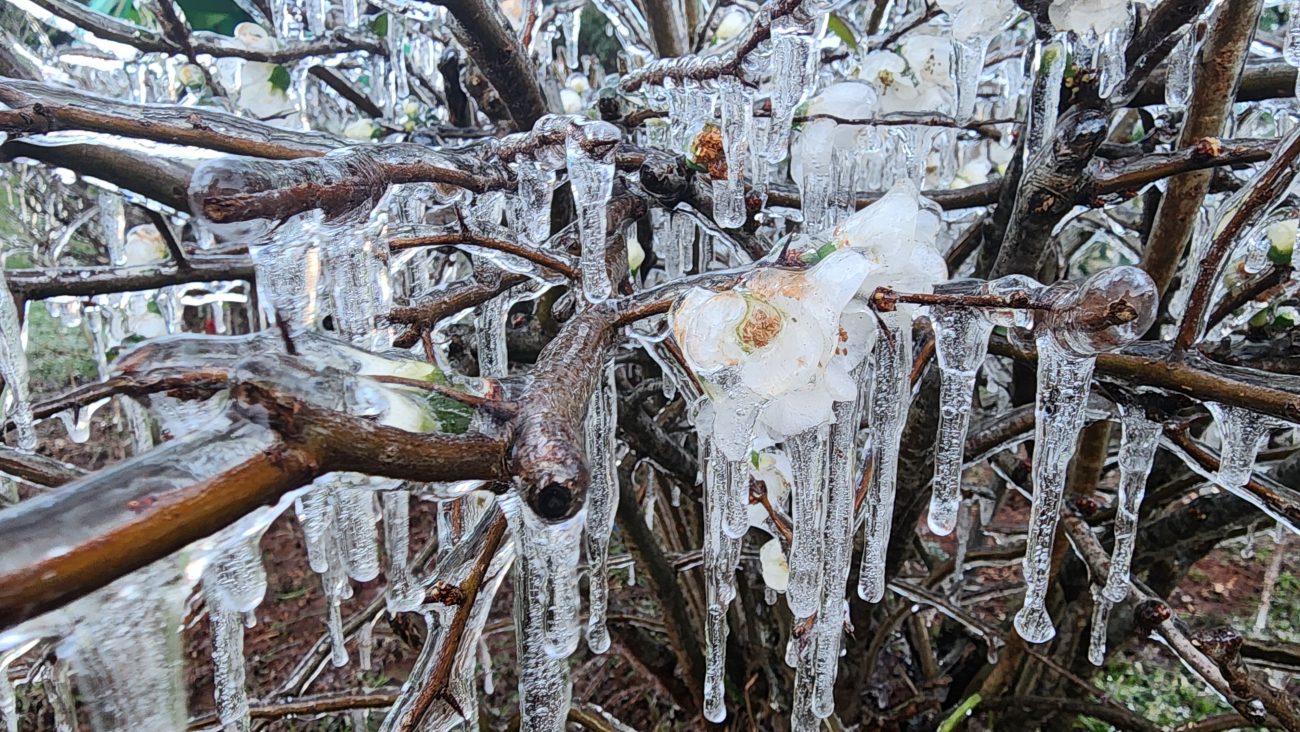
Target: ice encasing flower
[776, 352]
[251, 81]
[917, 77]
[1084, 16]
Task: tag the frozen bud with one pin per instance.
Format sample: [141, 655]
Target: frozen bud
[1108, 310]
[191, 75]
[776, 570]
[144, 245]
[361, 130]
[1281, 240]
[571, 101]
[254, 37]
[733, 23]
[411, 109]
[635, 254]
[578, 83]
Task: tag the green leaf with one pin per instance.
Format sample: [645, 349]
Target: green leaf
[380, 25]
[280, 78]
[839, 27]
[452, 415]
[813, 257]
[753, 458]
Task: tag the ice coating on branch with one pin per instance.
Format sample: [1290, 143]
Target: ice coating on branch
[1137, 450]
[589, 153]
[1098, 17]
[602, 501]
[13, 366]
[1242, 433]
[961, 338]
[1108, 310]
[887, 403]
[974, 24]
[536, 187]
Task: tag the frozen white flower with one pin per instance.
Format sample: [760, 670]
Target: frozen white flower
[144, 245]
[916, 79]
[1282, 236]
[977, 18]
[778, 351]
[973, 172]
[1089, 16]
[897, 234]
[361, 130]
[776, 570]
[773, 354]
[257, 87]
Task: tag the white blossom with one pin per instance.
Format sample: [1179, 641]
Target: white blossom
[916, 78]
[361, 130]
[733, 24]
[775, 353]
[845, 100]
[776, 473]
[250, 82]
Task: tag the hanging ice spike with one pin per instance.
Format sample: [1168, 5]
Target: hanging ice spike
[1108, 310]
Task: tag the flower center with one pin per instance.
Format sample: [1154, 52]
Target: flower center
[761, 324]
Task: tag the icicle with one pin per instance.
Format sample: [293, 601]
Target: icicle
[112, 220]
[961, 342]
[1182, 65]
[888, 400]
[354, 507]
[228, 672]
[544, 687]
[837, 550]
[1241, 432]
[1137, 450]
[404, 591]
[815, 187]
[13, 366]
[589, 152]
[683, 227]
[1248, 548]
[1111, 59]
[8, 699]
[1044, 94]
[126, 652]
[791, 77]
[737, 130]
[490, 337]
[808, 455]
[1063, 387]
[968, 66]
[365, 648]
[1077, 327]
[721, 554]
[485, 663]
[602, 501]
[536, 184]
[1097, 636]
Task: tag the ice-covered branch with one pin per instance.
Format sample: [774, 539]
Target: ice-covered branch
[88, 533]
[1216, 78]
[339, 40]
[40, 108]
[486, 35]
[37, 469]
[40, 284]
